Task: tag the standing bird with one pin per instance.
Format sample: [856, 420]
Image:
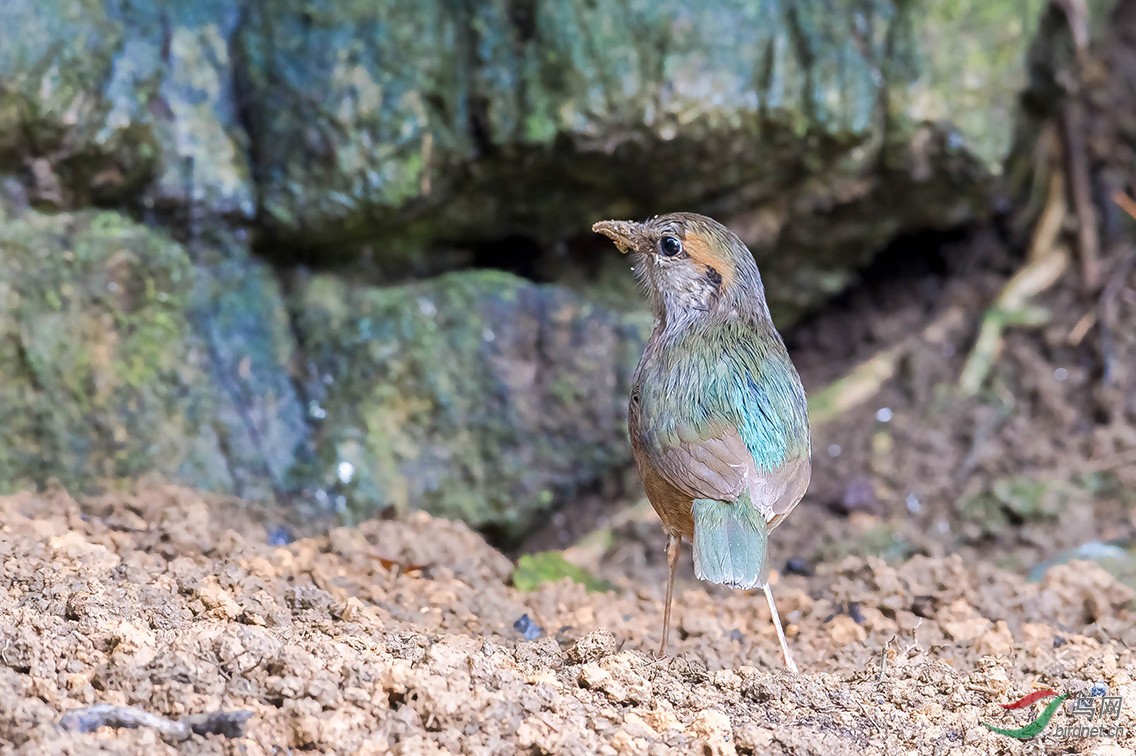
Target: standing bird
[718, 420]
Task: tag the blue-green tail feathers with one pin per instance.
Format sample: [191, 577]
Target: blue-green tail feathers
[730, 543]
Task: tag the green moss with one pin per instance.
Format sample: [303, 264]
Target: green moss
[97, 353]
[476, 396]
[1014, 500]
[534, 570]
[880, 540]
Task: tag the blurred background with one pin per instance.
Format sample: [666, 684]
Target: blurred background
[334, 257]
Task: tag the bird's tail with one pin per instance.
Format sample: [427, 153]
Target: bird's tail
[730, 543]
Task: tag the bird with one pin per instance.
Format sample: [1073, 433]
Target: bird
[717, 415]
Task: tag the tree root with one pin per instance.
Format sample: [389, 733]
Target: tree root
[1045, 264]
[866, 379]
[1072, 122]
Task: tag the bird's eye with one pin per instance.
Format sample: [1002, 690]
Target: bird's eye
[669, 246]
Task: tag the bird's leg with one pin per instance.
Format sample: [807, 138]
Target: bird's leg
[674, 548]
[777, 624]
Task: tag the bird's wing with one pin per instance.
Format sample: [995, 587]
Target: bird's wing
[722, 468]
[734, 424]
[713, 468]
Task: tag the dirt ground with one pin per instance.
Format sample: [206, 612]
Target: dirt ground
[399, 636]
[902, 577]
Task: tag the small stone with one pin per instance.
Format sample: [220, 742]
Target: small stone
[595, 645]
[754, 738]
[998, 641]
[965, 630]
[713, 729]
[280, 535]
[798, 566]
[592, 676]
[528, 629]
[859, 496]
[844, 630]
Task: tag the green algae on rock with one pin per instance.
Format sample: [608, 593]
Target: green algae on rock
[822, 129]
[102, 375]
[118, 359]
[476, 396]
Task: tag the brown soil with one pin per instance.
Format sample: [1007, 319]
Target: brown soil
[398, 636]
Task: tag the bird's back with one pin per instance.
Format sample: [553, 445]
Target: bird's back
[709, 381]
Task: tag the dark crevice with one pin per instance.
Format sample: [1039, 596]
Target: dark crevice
[805, 57]
[516, 254]
[917, 265]
[242, 110]
[242, 93]
[522, 15]
[478, 124]
[908, 283]
[479, 129]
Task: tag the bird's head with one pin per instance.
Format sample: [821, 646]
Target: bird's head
[692, 266]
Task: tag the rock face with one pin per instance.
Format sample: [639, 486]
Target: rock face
[477, 396]
[402, 137]
[121, 101]
[822, 129]
[119, 357]
[102, 376]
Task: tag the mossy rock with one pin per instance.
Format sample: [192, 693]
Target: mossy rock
[477, 396]
[121, 357]
[390, 130]
[123, 102]
[102, 375]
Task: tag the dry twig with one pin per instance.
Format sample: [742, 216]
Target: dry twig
[1076, 153]
[1046, 262]
[230, 724]
[1116, 281]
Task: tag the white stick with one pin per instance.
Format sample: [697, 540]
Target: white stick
[780, 633]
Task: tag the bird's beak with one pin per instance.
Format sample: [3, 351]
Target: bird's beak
[625, 234]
